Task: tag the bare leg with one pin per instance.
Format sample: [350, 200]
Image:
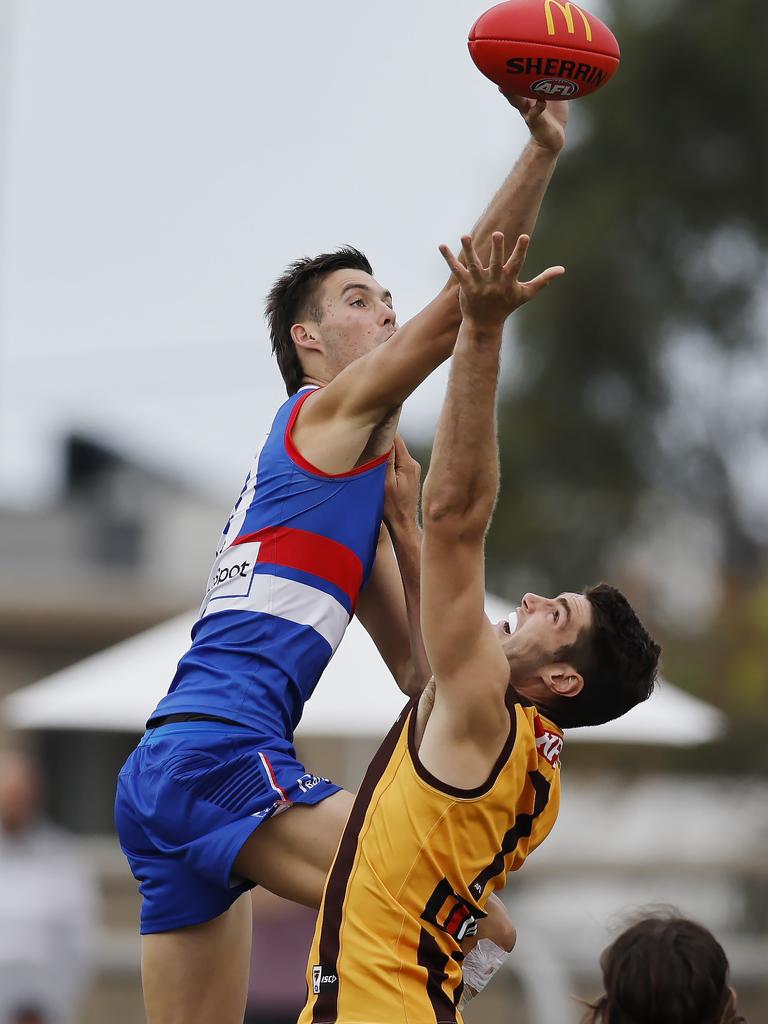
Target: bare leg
[199, 975]
[291, 853]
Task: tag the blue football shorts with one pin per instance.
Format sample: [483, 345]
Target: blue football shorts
[188, 798]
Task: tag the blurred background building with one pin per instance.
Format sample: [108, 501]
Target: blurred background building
[160, 165]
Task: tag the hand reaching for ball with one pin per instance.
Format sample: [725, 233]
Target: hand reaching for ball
[546, 119]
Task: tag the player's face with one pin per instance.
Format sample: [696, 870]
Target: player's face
[540, 627]
[357, 316]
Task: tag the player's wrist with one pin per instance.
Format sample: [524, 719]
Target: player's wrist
[485, 327]
[403, 526]
[550, 146]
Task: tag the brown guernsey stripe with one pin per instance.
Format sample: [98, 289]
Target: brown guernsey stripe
[520, 830]
[430, 956]
[325, 1007]
[458, 957]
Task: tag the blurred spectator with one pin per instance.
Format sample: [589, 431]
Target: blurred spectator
[665, 969]
[282, 934]
[47, 905]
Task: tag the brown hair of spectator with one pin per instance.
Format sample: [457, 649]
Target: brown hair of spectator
[665, 969]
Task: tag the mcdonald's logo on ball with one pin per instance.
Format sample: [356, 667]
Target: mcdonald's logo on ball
[566, 10]
[544, 49]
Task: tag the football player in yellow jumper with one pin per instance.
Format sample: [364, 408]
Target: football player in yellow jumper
[467, 783]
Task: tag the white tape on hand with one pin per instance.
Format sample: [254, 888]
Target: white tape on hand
[480, 965]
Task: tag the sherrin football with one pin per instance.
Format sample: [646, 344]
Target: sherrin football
[544, 49]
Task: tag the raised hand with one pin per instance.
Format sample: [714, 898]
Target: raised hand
[401, 489]
[546, 119]
[489, 294]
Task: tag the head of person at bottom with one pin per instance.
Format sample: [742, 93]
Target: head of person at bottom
[665, 969]
[323, 313]
[581, 659]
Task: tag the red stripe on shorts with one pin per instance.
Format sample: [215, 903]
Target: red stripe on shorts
[273, 778]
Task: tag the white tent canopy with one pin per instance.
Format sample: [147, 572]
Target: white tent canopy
[117, 689]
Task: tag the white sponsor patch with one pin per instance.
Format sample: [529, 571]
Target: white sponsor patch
[231, 573]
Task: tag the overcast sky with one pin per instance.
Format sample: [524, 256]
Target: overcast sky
[164, 160]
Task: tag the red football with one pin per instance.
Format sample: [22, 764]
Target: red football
[544, 49]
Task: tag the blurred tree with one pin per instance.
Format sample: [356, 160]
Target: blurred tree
[637, 374]
[727, 666]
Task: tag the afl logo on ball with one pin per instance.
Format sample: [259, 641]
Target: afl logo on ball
[554, 88]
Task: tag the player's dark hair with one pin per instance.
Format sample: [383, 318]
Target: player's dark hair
[665, 969]
[297, 294]
[617, 658]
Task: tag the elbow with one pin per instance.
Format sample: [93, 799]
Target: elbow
[456, 516]
[441, 508]
[439, 504]
[411, 683]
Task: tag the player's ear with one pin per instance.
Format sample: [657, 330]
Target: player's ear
[563, 679]
[305, 337]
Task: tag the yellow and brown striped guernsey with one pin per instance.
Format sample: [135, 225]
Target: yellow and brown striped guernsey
[415, 867]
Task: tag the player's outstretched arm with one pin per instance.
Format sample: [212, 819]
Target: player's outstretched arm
[372, 387]
[514, 209]
[460, 493]
[389, 606]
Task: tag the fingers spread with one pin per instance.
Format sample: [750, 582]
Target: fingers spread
[517, 258]
[458, 271]
[531, 288]
[497, 252]
[471, 258]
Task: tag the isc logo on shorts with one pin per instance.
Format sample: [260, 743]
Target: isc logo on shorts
[322, 982]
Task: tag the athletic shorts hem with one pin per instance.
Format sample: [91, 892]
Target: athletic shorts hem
[188, 799]
[187, 921]
[315, 796]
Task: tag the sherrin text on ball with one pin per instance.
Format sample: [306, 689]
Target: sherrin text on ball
[544, 49]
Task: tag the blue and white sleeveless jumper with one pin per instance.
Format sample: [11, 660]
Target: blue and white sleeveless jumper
[293, 557]
[297, 550]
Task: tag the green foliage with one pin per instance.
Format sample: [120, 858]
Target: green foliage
[659, 211]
